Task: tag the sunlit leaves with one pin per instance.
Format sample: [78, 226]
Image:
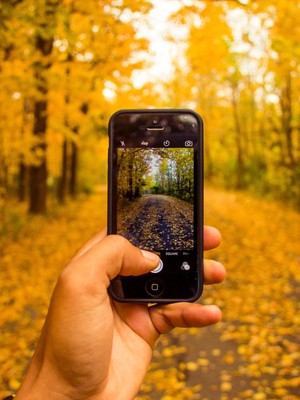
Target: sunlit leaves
[241, 72]
[87, 47]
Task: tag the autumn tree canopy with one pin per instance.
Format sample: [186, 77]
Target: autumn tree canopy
[66, 65]
[57, 57]
[242, 75]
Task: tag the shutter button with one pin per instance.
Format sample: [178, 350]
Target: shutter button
[158, 268]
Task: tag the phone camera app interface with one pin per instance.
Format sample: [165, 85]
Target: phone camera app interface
[156, 194]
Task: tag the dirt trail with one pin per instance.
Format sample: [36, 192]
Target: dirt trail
[158, 222]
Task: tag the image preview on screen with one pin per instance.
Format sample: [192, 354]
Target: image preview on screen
[155, 199]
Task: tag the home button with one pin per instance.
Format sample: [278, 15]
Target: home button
[154, 287]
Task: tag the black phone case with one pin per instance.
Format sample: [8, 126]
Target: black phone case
[199, 196]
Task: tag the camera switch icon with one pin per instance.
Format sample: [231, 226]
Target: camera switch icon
[185, 266]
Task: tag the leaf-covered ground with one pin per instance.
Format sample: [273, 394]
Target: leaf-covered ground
[156, 221]
[252, 354]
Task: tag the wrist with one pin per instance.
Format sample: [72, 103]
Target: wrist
[39, 391]
[40, 395]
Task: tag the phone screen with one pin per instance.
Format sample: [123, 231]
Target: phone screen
[155, 200]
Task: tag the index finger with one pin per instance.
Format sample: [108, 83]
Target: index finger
[212, 239]
[90, 243]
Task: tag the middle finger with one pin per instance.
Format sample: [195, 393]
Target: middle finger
[214, 272]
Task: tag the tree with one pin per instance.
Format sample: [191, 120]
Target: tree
[100, 47]
[44, 36]
[59, 56]
[245, 82]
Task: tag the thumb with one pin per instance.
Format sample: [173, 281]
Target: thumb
[110, 257]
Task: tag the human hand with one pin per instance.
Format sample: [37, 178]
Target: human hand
[94, 348]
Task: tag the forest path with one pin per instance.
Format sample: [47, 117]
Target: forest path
[158, 222]
[252, 354]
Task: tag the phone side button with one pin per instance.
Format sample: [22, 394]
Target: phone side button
[154, 287]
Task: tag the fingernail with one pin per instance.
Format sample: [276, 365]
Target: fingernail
[149, 256]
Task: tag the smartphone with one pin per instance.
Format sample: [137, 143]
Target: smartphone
[155, 200]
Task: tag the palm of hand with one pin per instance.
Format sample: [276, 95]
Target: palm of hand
[94, 348]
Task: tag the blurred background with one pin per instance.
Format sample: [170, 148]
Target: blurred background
[65, 67]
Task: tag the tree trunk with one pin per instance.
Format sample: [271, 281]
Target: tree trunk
[38, 173]
[43, 45]
[37, 192]
[73, 169]
[22, 181]
[238, 141]
[62, 183]
[130, 180]
[23, 168]
[286, 118]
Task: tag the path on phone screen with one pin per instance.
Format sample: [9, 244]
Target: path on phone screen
[156, 221]
[252, 354]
